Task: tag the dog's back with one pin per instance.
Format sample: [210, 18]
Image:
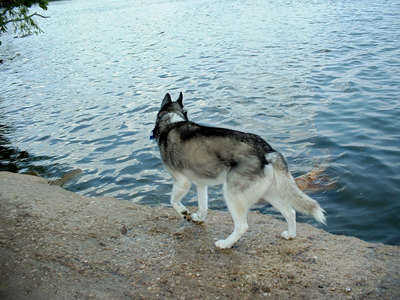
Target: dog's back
[209, 152]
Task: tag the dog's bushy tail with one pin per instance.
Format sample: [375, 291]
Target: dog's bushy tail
[288, 190]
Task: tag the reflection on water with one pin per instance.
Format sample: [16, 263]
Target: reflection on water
[319, 81]
[15, 160]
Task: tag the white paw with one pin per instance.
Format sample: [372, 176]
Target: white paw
[287, 236]
[197, 218]
[223, 244]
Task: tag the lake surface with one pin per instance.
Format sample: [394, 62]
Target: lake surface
[319, 80]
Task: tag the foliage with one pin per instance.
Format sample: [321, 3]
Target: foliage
[16, 13]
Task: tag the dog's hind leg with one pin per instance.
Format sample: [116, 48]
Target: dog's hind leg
[238, 208]
[287, 211]
[203, 204]
[239, 216]
[180, 188]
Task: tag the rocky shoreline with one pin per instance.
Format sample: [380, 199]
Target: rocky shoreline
[55, 244]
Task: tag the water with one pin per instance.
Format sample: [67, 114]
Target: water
[319, 80]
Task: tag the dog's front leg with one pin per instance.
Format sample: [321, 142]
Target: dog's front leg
[203, 204]
[180, 188]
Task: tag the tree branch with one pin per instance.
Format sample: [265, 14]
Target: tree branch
[25, 18]
[5, 11]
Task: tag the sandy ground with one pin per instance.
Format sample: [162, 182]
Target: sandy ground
[56, 244]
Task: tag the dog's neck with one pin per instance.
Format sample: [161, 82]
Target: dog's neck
[173, 118]
[170, 118]
[166, 120]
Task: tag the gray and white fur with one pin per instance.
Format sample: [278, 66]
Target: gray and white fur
[246, 166]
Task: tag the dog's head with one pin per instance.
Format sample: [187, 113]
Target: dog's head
[170, 112]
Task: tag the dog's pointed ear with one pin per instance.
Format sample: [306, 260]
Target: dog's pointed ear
[180, 100]
[166, 100]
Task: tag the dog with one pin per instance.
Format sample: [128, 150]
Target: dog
[246, 166]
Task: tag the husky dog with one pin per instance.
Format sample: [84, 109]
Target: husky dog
[248, 168]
